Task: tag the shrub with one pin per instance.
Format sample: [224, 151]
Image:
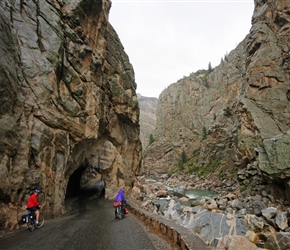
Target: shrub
[151, 139]
[227, 111]
[183, 157]
[204, 133]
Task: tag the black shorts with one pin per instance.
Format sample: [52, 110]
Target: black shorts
[32, 209]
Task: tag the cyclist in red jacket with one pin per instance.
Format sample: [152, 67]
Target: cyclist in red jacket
[33, 205]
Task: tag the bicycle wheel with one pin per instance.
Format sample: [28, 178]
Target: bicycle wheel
[30, 224]
[119, 213]
[40, 221]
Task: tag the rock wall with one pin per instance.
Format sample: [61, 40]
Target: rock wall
[237, 112]
[148, 106]
[68, 103]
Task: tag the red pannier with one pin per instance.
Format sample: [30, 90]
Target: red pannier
[126, 210]
[117, 203]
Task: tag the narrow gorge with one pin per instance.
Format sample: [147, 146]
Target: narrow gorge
[70, 116]
[225, 118]
[226, 129]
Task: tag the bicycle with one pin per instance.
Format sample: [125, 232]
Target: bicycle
[120, 211]
[30, 220]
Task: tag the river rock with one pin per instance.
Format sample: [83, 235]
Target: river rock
[255, 205]
[184, 199]
[146, 189]
[210, 204]
[213, 223]
[196, 202]
[270, 215]
[281, 220]
[236, 242]
[162, 193]
[279, 240]
[236, 204]
[210, 225]
[252, 236]
[256, 224]
[136, 192]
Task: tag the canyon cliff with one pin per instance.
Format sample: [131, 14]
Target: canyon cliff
[223, 119]
[148, 107]
[68, 104]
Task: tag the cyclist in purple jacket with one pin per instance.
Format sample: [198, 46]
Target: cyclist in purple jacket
[120, 197]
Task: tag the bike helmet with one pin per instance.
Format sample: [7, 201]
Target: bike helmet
[36, 191]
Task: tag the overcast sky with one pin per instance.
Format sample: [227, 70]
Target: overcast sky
[167, 40]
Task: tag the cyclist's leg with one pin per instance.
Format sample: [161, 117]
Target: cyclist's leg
[123, 207]
[37, 215]
[33, 211]
[40, 221]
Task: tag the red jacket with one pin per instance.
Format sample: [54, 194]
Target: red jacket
[32, 201]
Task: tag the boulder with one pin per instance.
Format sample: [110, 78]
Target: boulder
[281, 220]
[279, 240]
[236, 242]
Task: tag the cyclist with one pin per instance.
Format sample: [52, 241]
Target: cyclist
[33, 204]
[120, 197]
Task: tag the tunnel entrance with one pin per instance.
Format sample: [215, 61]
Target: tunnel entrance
[86, 181]
[73, 186]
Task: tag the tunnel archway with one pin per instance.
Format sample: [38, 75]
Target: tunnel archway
[85, 181]
[73, 186]
[95, 168]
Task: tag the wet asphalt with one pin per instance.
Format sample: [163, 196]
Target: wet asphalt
[93, 227]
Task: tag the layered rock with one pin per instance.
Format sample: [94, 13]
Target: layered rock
[68, 103]
[238, 112]
[148, 107]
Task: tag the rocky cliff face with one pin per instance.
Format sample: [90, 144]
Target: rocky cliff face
[235, 114]
[148, 107]
[68, 103]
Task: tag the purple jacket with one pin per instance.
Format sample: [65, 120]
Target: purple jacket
[120, 196]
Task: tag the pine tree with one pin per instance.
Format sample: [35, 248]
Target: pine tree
[151, 139]
[209, 67]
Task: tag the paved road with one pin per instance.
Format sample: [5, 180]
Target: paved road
[94, 227]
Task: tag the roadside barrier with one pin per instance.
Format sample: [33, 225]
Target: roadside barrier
[182, 237]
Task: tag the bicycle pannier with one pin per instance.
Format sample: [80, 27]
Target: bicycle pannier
[117, 203]
[23, 218]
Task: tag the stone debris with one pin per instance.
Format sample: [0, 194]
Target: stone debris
[221, 221]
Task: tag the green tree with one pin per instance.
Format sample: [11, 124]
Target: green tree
[182, 160]
[226, 56]
[151, 139]
[204, 133]
[227, 111]
[209, 67]
[183, 157]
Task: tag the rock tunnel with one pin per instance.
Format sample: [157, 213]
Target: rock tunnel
[96, 170]
[84, 182]
[73, 186]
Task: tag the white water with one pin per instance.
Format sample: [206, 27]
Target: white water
[196, 193]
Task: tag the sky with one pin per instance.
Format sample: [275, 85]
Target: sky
[169, 39]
